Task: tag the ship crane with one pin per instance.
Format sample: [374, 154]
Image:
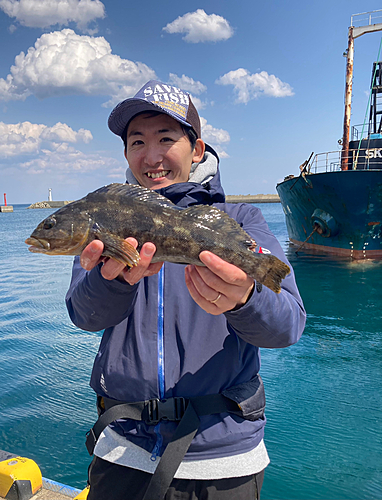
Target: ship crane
[354, 32]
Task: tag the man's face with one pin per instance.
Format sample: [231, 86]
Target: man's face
[158, 152]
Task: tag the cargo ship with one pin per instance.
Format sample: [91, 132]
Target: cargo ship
[334, 205]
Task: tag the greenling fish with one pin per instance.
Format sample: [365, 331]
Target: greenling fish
[117, 211]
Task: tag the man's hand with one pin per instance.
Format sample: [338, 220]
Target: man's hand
[218, 287]
[111, 269]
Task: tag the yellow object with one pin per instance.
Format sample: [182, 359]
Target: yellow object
[20, 478]
[83, 495]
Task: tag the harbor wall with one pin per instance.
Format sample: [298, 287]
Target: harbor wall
[49, 204]
[253, 198]
[230, 198]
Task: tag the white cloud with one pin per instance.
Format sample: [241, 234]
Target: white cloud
[28, 138]
[63, 63]
[215, 137]
[194, 87]
[67, 160]
[198, 103]
[201, 27]
[187, 83]
[38, 149]
[249, 86]
[42, 14]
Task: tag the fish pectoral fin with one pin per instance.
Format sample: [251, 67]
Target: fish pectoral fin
[119, 249]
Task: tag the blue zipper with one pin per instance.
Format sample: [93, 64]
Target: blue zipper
[160, 329]
[160, 347]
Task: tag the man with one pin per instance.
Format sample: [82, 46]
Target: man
[181, 343]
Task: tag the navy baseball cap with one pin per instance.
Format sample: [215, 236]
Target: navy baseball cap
[156, 96]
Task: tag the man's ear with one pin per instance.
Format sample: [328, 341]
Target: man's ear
[125, 153]
[199, 149]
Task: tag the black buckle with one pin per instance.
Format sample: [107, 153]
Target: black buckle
[171, 409]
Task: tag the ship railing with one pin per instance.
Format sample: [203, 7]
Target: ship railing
[325, 162]
[364, 131]
[362, 159]
[366, 18]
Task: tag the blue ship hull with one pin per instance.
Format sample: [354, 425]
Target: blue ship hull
[336, 212]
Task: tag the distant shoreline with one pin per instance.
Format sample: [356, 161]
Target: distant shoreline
[253, 198]
[230, 198]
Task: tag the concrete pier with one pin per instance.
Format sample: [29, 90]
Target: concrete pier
[253, 198]
[7, 208]
[49, 204]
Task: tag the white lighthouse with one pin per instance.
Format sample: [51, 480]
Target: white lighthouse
[50, 195]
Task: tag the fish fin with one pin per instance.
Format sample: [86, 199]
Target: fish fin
[276, 271]
[140, 193]
[118, 249]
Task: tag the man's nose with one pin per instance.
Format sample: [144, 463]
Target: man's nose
[153, 156]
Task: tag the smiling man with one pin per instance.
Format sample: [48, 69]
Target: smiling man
[158, 151]
[180, 399]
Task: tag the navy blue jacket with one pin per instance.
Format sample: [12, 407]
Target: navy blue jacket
[158, 343]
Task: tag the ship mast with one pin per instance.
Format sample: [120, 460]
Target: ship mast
[355, 32]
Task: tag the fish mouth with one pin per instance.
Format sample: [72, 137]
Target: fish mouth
[38, 245]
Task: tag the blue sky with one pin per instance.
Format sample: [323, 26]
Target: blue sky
[267, 78]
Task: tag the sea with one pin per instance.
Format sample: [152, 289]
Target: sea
[324, 394]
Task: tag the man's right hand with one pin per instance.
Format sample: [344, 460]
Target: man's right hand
[111, 269]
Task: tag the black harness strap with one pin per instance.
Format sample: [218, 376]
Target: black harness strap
[185, 411]
[173, 455]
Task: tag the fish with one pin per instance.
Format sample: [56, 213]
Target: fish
[118, 211]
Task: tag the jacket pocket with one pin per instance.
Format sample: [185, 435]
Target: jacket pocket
[250, 396]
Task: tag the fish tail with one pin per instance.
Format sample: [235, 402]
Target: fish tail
[271, 272]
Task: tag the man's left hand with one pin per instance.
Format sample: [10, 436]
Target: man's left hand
[218, 287]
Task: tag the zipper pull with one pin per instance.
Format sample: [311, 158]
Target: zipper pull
[158, 444]
[155, 452]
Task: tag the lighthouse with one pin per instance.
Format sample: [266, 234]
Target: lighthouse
[50, 195]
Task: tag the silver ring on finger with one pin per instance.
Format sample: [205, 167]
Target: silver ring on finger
[217, 298]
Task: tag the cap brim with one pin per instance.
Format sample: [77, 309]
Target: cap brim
[127, 109]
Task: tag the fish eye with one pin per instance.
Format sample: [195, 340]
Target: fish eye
[49, 223]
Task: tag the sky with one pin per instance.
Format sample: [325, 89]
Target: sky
[266, 77]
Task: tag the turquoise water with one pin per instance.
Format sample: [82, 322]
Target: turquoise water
[324, 398]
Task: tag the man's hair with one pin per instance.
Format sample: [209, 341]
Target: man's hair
[188, 131]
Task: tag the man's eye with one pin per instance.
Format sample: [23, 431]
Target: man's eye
[166, 139]
[137, 142]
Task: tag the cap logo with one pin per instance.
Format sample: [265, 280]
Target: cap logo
[173, 101]
[169, 98]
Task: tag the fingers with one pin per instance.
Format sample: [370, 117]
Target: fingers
[227, 272]
[203, 294]
[220, 286]
[91, 255]
[112, 269]
[144, 267]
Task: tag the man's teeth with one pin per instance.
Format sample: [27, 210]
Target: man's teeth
[154, 175]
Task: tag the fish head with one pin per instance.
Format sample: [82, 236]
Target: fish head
[66, 232]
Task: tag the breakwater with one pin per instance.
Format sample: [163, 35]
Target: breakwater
[253, 198]
[49, 204]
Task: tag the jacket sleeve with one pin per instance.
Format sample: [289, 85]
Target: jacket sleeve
[95, 303]
[267, 319]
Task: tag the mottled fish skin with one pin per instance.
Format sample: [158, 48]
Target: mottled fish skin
[117, 211]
